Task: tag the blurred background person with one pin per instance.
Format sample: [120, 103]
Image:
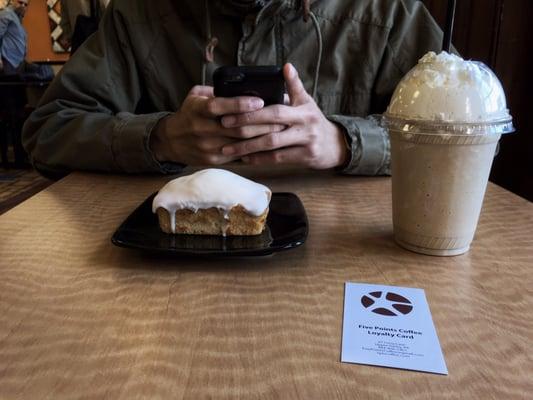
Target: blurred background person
[13, 46]
[12, 36]
[16, 74]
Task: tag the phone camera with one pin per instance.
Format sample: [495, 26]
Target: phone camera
[236, 78]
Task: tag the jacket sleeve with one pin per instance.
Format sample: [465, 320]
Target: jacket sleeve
[413, 32]
[86, 119]
[368, 143]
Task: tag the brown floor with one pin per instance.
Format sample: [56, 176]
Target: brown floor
[17, 185]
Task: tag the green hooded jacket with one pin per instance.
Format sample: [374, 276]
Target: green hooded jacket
[101, 108]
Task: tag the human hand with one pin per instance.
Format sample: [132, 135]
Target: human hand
[194, 135]
[309, 139]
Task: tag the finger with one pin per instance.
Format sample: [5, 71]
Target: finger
[251, 131]
[275, 114]
[213, 144]
[218, 106]
[291, 155]
[295, 87]
[207, 127]
[205, 158]
[210, 127]
[270, 141]
[205, 91]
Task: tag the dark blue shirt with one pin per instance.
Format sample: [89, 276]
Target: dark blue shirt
[12, 39]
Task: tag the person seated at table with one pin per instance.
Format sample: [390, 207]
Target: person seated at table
[137, 96]
[13, 46]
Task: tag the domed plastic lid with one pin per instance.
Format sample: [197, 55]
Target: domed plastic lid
[445, 92]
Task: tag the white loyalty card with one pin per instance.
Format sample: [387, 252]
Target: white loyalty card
[391, 327]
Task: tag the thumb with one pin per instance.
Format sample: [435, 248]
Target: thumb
[205, 91]
[295, 87]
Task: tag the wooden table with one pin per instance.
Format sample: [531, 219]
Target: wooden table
[81, 318]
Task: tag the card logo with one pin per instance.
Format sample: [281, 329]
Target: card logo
[390, 305]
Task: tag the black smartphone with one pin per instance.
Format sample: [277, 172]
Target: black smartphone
[266, 82]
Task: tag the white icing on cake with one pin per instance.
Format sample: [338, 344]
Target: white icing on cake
[212, 188]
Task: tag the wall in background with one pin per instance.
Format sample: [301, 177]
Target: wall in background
[38, 28]
[496, 32]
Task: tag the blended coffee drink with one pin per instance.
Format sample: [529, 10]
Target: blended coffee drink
[444, 120]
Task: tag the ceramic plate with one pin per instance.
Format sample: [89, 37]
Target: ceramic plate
[286, 228]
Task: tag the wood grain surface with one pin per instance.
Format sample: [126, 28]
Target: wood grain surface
[81, 318]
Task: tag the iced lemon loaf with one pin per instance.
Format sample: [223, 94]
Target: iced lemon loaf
[212, 202]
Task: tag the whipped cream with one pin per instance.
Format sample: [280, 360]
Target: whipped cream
[212, 188]
[446, 88]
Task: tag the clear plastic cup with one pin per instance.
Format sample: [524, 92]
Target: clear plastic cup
[440, 167]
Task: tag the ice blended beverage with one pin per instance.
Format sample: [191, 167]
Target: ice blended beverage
[444, 120]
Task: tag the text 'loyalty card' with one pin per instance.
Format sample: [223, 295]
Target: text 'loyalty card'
[391, 327]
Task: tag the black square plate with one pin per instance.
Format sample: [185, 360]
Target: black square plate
[286, 228]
